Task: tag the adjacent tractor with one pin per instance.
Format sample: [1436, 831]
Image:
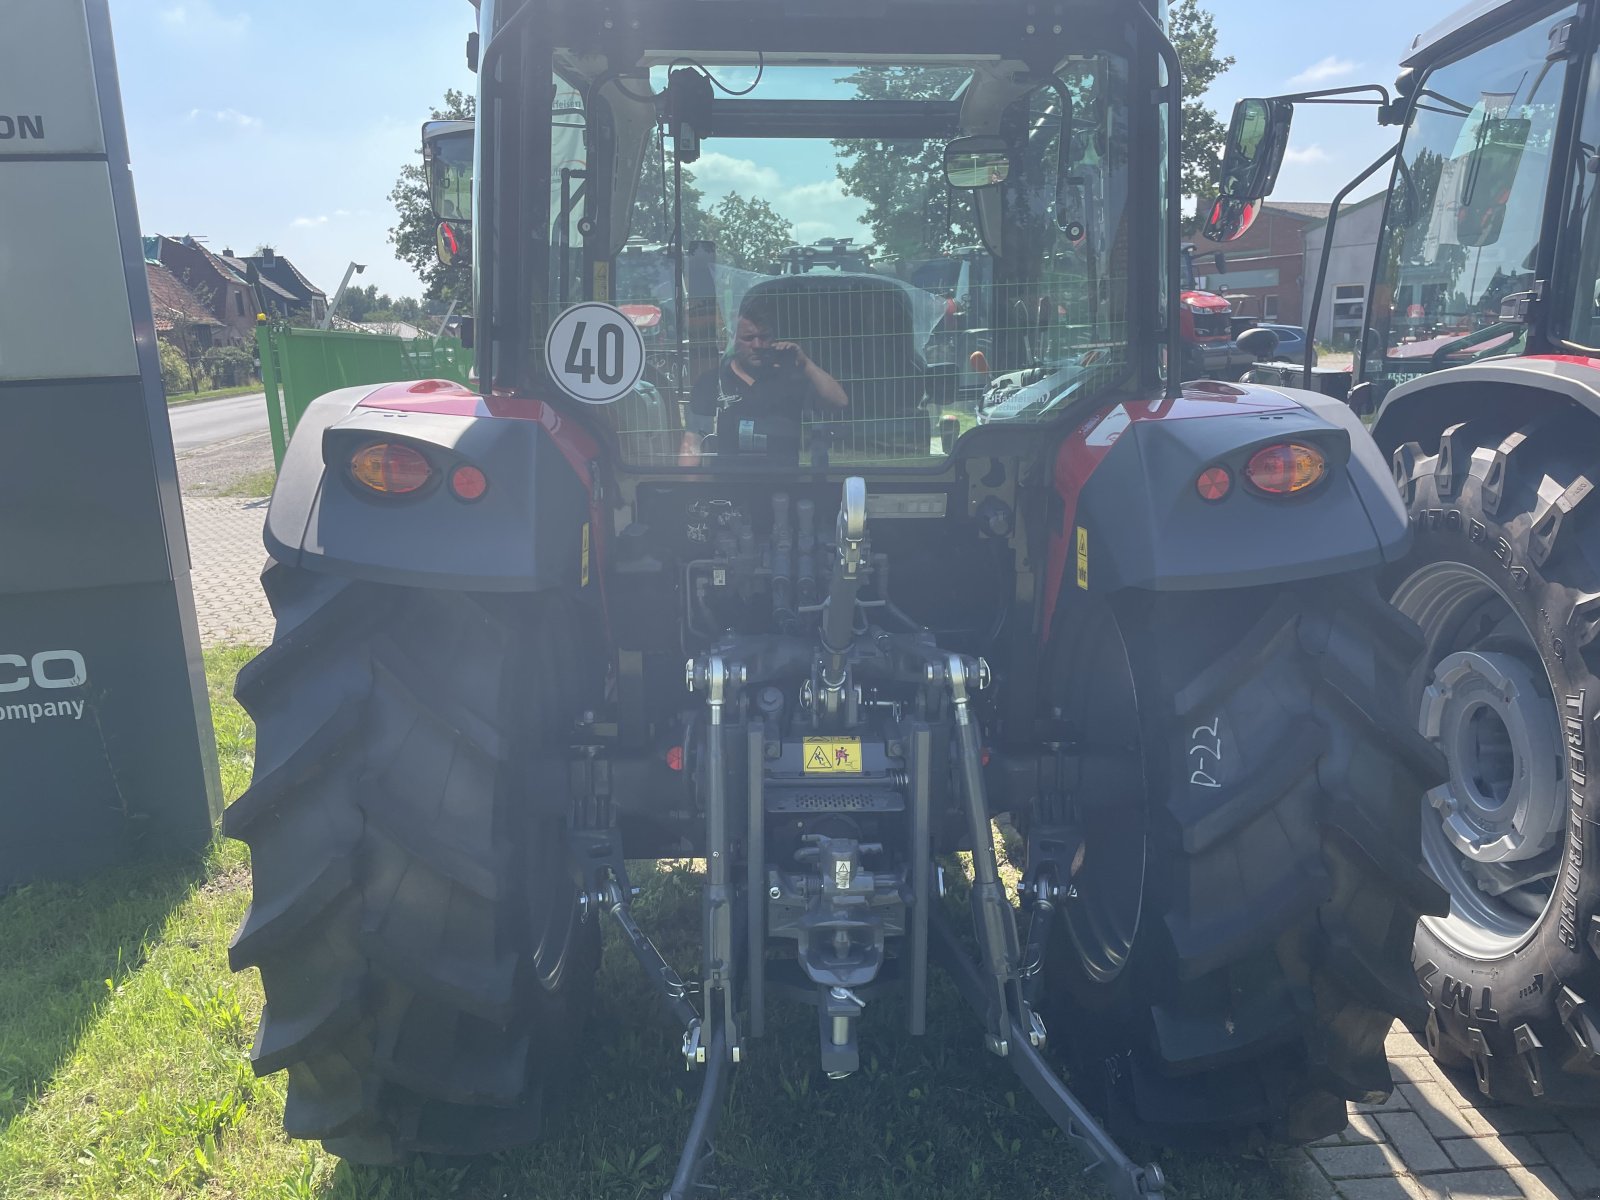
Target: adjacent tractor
[782, 612]
[1481, 355]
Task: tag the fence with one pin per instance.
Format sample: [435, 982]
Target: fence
[298, 365]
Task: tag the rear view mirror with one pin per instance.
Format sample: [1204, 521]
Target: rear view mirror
[1230, 218]
[1257, 139]
[976, 162]
[447, 162]
[452, 242]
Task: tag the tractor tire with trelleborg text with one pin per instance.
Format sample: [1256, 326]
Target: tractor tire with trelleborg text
[425, 959]
[1504, 580]
[1237, 942]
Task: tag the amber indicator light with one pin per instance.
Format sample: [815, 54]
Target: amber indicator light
[390, 468]
[1286, 468]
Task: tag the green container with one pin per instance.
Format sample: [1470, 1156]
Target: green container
[298, 365]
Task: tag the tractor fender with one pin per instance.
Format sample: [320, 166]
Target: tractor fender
[1420, 409]
[1133, 515]
[530, 529]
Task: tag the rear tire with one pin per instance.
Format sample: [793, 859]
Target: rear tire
[1504, 579]
[1247, 782]
[414, 918]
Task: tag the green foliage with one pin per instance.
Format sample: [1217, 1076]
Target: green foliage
[903, 181]
[175, 376]
[228, 366]
[749, 233]
[414, 230]
[1194, 36]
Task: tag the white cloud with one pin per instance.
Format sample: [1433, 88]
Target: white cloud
[309, 222]
[723, 173]
[199, 19]
[824, 209]
[1326, 71]
[1306, 154]
[232, 116]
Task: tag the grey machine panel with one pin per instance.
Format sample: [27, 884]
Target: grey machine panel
[105, 728]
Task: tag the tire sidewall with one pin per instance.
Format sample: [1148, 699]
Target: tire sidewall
[1496, 997]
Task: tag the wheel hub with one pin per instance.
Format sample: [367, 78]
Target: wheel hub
[1503, 801]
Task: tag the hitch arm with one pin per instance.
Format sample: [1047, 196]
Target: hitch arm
[1127, 1179]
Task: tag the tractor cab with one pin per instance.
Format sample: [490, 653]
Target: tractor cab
[684, 153]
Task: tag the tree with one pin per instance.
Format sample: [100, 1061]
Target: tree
[1194, 37]
[902, 181]
[652, 205]
[413, 234]
[749, 233]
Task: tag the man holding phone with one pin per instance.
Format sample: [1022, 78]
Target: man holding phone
[754, 400]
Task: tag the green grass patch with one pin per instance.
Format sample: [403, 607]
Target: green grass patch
[178, 398]
[258, 483]
[124, 1070]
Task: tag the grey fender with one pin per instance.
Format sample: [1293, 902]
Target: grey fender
[319, 519]
[1420, 409]
[1148, 527]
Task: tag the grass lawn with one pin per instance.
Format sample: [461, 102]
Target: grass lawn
[124, 1071]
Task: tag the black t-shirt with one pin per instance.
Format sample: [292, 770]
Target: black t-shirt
[760, 418]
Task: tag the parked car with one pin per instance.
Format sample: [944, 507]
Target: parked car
[1291, 342]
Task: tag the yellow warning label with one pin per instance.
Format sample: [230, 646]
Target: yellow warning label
[1083, 558]
[833, 756]
[584, 582]
[602, 281]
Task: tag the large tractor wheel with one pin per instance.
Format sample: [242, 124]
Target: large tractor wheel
[1237, 942]
[416, 923]
[1504, 580]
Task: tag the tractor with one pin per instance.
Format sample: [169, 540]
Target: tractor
[789, 622]
[1480, 353]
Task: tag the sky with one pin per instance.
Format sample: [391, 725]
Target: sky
[286, 124]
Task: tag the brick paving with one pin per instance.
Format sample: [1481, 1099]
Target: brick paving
[226, 557]
[1437, 1138]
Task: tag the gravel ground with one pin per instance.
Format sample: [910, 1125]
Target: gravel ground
[215, 469]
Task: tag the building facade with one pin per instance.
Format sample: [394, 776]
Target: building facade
[1263, 275]
[1344, 292]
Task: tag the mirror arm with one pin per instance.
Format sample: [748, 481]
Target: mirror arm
[1322, 264]
[1340, 95]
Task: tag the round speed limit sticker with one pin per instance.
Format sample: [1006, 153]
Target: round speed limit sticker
[594, 353]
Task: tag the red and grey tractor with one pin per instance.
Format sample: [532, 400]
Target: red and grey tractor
[1480, 353]
[535, 630]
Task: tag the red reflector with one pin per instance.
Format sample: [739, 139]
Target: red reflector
[468, 482]
[390, 468]
[1286, 468]
[985, 756]
[1214, 483]
[675, 758]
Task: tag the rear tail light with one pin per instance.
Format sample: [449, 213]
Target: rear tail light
[390, 468]
[468, 482]
[1286, 468]
[1214, 483]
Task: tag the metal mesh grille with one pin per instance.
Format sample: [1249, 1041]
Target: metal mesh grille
[834, 800]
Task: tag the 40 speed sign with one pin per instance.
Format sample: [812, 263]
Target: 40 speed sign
[594, 353]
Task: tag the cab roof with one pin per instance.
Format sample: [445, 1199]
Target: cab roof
[1467, 23]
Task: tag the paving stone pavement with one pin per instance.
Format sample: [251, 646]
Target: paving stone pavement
[226, 557]
[1438, 1138]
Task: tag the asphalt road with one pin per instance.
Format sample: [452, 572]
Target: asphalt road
[195, 425]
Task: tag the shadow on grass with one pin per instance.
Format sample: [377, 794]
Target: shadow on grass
[930, 1118]
[65, 948]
